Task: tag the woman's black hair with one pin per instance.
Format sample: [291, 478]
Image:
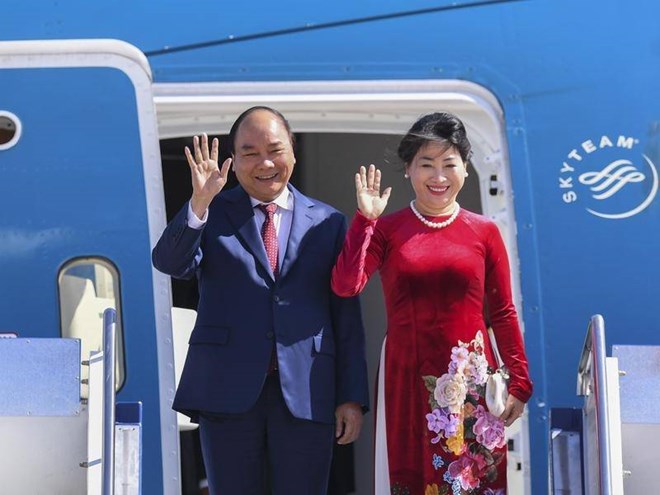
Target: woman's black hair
[441, 127]
[239, 120]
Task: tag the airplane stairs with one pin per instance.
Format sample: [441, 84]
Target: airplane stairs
[608, 446]
[53, 440]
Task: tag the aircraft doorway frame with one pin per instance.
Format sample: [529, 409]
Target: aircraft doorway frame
[370, 107]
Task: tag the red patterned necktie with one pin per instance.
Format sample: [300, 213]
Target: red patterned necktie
[269, 235]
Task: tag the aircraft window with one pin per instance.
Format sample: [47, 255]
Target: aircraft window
[87, 287]
[10, 130]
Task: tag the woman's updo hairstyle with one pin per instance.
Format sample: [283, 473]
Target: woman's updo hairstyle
[441, 127]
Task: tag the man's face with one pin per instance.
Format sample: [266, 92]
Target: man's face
[263, 155]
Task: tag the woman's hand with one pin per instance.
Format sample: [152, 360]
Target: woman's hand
[367, 186]
[207, 179]
[512, 411]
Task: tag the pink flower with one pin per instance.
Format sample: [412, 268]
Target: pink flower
[478, 342]
[459, 358]
[488, 429]
[479, 462]
[476, 369]
[466, 470]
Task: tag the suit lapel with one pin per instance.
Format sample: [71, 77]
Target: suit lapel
[241, 215]
[303, 219]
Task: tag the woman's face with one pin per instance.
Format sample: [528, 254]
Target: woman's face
[436, 173]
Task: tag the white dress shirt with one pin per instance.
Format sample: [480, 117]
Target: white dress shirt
[282, 218]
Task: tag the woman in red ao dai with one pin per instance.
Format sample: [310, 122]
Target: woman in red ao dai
[438, 263]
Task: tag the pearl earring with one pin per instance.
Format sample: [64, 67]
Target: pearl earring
[406, 176]
[466, 174]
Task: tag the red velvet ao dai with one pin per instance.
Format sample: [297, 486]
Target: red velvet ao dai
[440, 437]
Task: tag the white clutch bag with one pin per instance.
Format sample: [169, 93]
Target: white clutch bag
[497, 391]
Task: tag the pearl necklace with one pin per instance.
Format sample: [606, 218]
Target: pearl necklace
[435, 225]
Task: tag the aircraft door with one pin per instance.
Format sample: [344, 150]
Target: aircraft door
[82, 204]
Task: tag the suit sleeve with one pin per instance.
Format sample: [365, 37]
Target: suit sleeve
[351, 364]
[178, 252]
[504, 318]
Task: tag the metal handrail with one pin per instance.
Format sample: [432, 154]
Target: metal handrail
[592, 365]
[109, 323]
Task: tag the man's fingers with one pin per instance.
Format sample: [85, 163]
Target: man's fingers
[224, 171]
[198, 152]
[349, 423]
[205, 147]
[339, 428]
[356, 426]
[347, 437]
[189, 157]
[348, 434]
[214, 149]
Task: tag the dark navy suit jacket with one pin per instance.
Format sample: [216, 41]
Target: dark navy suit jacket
[242, 310]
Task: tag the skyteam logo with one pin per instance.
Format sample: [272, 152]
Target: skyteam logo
[609, 177]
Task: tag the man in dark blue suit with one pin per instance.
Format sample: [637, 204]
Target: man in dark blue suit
[276, 364]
